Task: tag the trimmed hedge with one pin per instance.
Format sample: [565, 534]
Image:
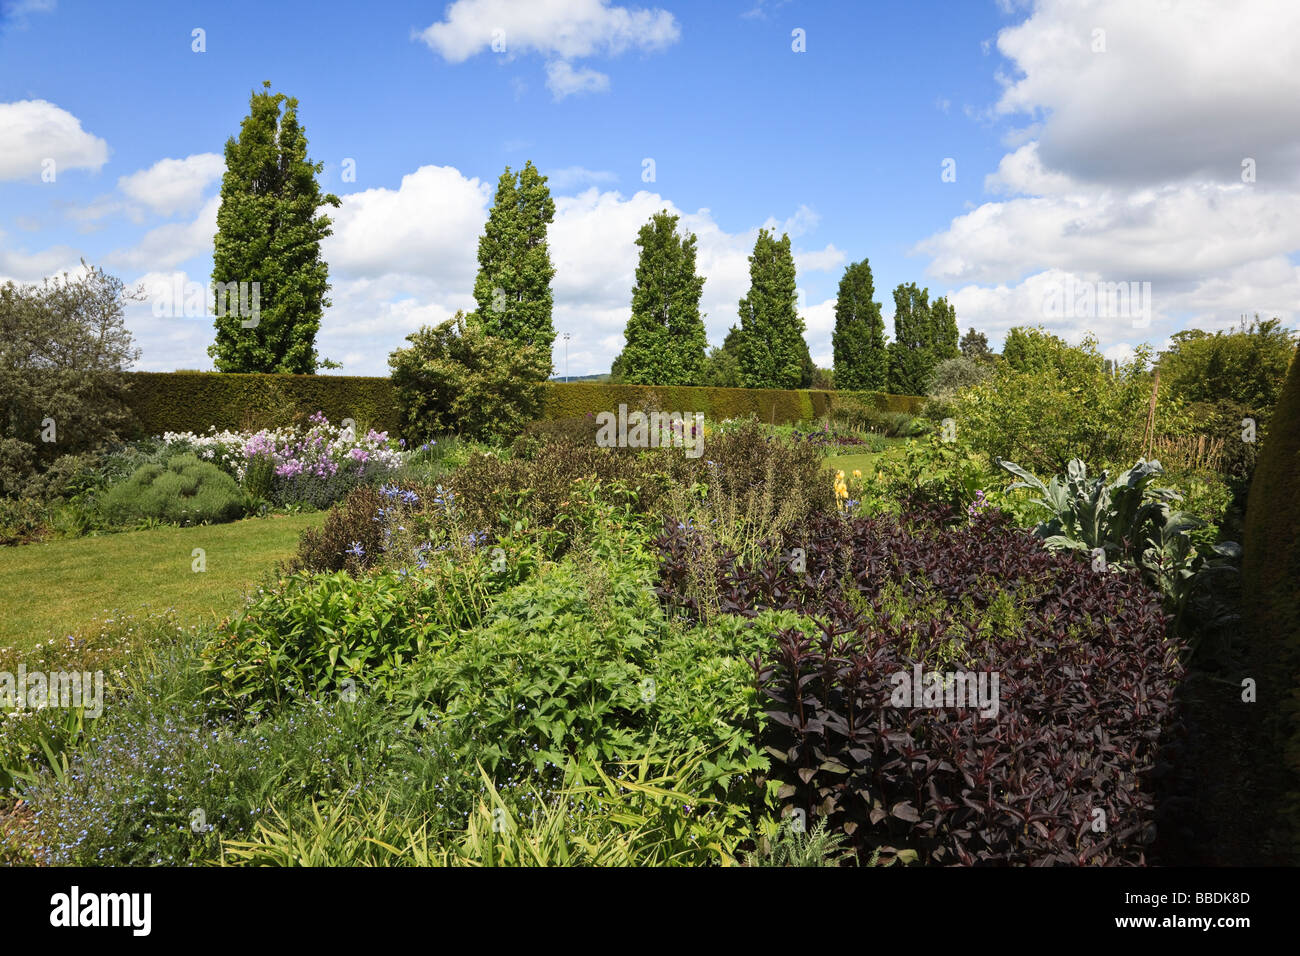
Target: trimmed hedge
[1270, 573]
[771, 405]
[194, 401]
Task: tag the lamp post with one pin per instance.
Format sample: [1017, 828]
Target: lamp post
[565, 336]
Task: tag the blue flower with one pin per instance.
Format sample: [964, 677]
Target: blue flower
[356, 550]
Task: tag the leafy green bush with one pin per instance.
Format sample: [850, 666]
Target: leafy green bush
[321, 634]
[455, 377]
[186, 491]
[1128, 523]
[1064, 404]
[196, 401]
[1246, 365]
[64, 347]
[23, 520]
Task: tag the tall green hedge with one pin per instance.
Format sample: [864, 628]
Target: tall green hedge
[193, 401]
[1270, 576]
[779, 406]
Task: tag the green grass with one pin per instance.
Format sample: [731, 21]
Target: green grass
[60, 587]
[865, 461]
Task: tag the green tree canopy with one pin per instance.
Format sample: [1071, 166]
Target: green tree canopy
[1027, 349]
[63, 347]
[911, 354]
[722, 367]
[455, 377]
[513, 287]
[975, 345]
[666, 340]
[1246, 365]
[772, 348]
[861, 359]
[269, 230]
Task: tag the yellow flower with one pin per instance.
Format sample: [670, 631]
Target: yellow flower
[857, 473]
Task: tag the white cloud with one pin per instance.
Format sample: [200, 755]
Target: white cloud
[33, 131]
[427, 227]
[171, 244]
[23, 267]
[1182, 89]
[561, 29]
[563, 80]
[172, 186]
[574, 177]
[1130, 168]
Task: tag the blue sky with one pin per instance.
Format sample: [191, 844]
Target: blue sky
[1079, 159]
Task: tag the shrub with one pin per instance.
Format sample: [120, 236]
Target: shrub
[350, 539]
[1048, 412]
[1128, 523]
[455, 377]
[185, 491]
[538, 485]
[747, 459]
[63, 348]
[1085, 694]
[23, 520]
[1246, 365]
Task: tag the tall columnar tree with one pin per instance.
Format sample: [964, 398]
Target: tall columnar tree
[513, 288]
[666, 340]
[269, 278]
[943, 332]
[861, 361]
[771, 345]
[925, 334]
[909, 353]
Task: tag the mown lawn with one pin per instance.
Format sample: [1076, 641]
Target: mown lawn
[847, 463]
[56, 588]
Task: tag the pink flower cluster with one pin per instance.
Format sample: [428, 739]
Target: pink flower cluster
[323, 450]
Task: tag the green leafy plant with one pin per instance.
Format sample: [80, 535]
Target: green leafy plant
[185, 491]
[456, 377]
[1130, 522]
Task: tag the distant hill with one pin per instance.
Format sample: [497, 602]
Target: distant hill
[598, 377]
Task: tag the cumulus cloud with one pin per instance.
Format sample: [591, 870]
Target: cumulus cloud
[563, 80]
[171, 244]
[1130, 168]
[34, 131]
[563, 29]
[20, 266]
[428, 227]
[1176, 90]
[172, 186]
[559, 30]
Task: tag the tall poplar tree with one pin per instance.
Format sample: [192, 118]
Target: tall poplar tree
[925, 334]
[269, 230]
[861, 361]
[513, 288]
[666, 340]
[944, 337]
[909, 353]
[771, 342]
